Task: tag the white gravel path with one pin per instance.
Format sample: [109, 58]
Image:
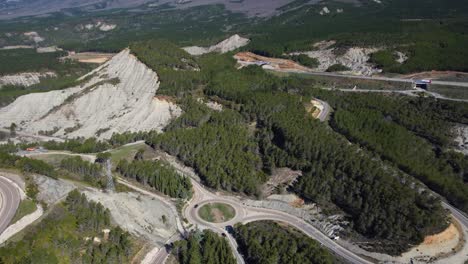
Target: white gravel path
[21, 224]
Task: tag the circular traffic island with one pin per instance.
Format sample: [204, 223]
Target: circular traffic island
[216, 212]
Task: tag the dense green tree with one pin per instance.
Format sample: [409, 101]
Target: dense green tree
[60, 236]
[220, 149]
[268, 242]
[157, 174]
[90, 172]
[204, 248]
[27, 165]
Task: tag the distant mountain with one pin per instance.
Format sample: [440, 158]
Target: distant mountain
[20, 8]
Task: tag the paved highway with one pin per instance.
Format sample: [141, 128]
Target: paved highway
[459, 215]
[245, 214]
[412, 92]
[380, 78]
[10, 199]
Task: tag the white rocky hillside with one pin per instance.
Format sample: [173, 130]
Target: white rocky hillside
[118, 96]
[355, 58]
[25, 79]
[232, 43]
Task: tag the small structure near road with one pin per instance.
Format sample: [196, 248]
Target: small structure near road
[421, 84]
[318, 108]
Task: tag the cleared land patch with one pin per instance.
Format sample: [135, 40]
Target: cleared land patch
[90, 57]
[128, 152]
[216, 212]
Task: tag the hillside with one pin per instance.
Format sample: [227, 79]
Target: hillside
[116, 97]
[232, 43]
[21, 8]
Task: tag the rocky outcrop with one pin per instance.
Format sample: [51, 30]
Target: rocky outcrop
[230, 44]
[354, 58]
[25, 79]
[118, 96]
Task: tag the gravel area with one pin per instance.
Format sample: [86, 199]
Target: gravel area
[138, 214]
[50, 190]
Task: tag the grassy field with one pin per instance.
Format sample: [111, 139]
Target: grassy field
[52, 159]
[25, 207]
[217, 212]
[128, 152]
[450, 91]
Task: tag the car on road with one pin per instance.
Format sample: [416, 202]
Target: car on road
[229, 229]
[196, 206]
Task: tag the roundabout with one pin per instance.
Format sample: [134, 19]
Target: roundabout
[245, 214]
[216, 212]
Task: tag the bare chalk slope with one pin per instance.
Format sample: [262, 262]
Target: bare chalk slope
[232, 43]
[118, 96]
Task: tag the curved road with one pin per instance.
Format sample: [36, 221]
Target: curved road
[325, 112]
[245, 214]
[9, 202]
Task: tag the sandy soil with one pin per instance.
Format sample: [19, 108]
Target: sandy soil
[448, 246]
[90, 57]
[248, 58]
[435, 245]
[218, 216]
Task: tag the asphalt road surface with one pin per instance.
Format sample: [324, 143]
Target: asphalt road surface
[246, 214]
[9, 202]
[325, 112]
[388, 79]
[412, 92]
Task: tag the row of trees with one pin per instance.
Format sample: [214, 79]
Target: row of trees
[431, 119]
[204, 247]
[27, 165]
[78, 145]
[93, 145]
[160, 176]
[268, 242]
[90, 172]
[412, 154]
[90, 216]
[413, 133]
